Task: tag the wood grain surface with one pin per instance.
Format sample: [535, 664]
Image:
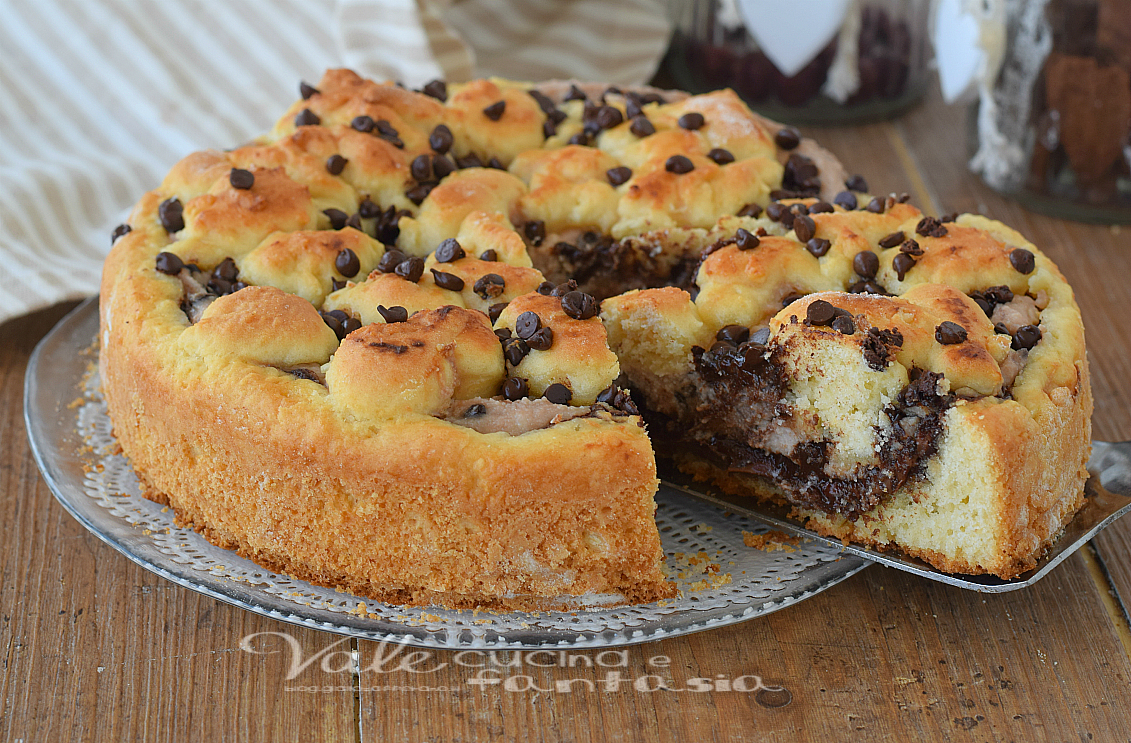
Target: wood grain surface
[95, 648]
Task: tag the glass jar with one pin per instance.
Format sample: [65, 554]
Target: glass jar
[818, 62]
[1053, 126]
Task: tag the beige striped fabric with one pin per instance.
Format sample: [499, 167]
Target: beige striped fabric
[99, 98]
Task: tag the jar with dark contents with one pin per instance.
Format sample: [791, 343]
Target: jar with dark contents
[819, 62]
[1053, 126]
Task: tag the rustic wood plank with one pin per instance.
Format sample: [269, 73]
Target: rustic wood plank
[94, 647]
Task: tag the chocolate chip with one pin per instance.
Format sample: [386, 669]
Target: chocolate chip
[930, 227]
[120, 231]
[441, 139]
[410, 270]
[618, 176]
[392, 314]
[999, 294]
[241, 179]
[368, 209]
[494, 311]
[950, 333]
[745, 240]
[581, 138]
[226, 270]
[543, 100]
[503, 334]
[169, 263]
[558, 393]
[820, 312]
[347, 263]
[878, 346]
[545, 288]
[750, 210]
[950, 217]
[534, 231]
[335, 285]
[734, 334]
[856, 183]
[890, 241]
[354, 221]
[541, 340]
[563, 289]
[515, 350]
[335, 164]
[617, 398]
[477, 410]
[549, 129]
[337, 218]
[449, 250]
[911, 248]
[171, 213]
[351, 324]
[579, 305]
[333, 324]
[489, 285]
[421, 168]
[1022, 260]
[608, 117]
[418, 194]
[448, 281]
[490, 255]
[692, 121]
[470, 161]
[787, 138]
[844, 324]
[641, 126]
[385, 129]
[845, 200]
[804, 227]
[818, 246]
[494, 112]
[776, 211]
[390, 260]
[876, 206]
[306, 117]
[527, 324]
[364, 124]
[789, 299]
[515, 388]
[437, 89]
[496, 163]
[901, 264]
[1026, 337]
[306, 90]
[866, 264]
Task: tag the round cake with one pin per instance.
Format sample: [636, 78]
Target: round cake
[412, 344]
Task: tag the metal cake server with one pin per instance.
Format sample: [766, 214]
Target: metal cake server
[1107, 492]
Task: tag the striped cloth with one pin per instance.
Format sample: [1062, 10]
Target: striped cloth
[99, 98]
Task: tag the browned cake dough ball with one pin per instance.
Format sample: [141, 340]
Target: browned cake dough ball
[404, 321]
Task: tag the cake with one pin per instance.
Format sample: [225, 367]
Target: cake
[412, 344]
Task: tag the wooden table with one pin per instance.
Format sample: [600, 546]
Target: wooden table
[96, 648]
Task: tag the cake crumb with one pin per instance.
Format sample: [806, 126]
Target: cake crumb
[771, 541]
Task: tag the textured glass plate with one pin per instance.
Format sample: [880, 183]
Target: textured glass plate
[722, 581]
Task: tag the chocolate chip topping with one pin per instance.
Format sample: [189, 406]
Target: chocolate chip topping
[820, 313]
[818, 246]
[866, 264]
[641, 126]
[617, 398]
[1026, 337]
[901, 264]
[364, 124]
[515, 350]
[679, 164]
[120, 231]
[390, 260]
[449, 250]
[581, 138]
[745, 239]
[930, 227]
[618, 176]
[490, 255]
[489, 285]
[575, 94]
[607, 117]
[411, 269]
[558, 393]
[169, 263]
[392, 314]
[241, 179]
[750, 210]
[421, 168]
[335, 164]
[562, 289]
[535, 231]
[347, 263]
[306, 117]
[527, 324]
[475, 411]
[335, 285]
[441, 139]
[787, 138]
[494, 112]
[494, 311]
[337, 218]
[579, 305]
[437, 89]
[775, 211]
[1022, 260]
[515, 388]
[418, 194]
[804, 227]
[876, 206]
[856, 183]
[844, 324]
[950, 333]
[721, 156]
[878, 346]
[448, 281]
[171, 212]
[845, 200]
[692, 121]
[733, 334]
[306, 90]
[541, 340]
[890, 241]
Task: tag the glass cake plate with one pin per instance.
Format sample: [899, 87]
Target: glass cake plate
[722, 581]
